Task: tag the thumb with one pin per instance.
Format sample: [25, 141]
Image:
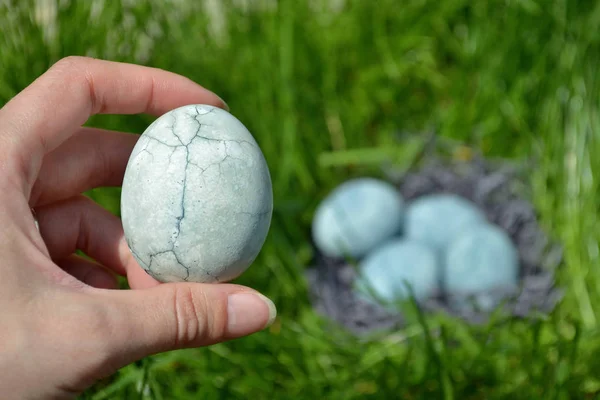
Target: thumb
[180, 315]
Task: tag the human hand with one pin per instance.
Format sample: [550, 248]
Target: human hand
[62, 326]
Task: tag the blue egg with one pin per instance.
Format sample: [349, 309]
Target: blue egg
[385, 273]
[356, 217]
[437, 219]
[481, 260]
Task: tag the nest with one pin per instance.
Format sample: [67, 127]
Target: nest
[501, 194]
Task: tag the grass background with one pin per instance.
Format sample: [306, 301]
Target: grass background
[325, 87]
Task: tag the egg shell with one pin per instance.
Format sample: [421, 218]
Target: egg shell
[481, 260]
[386, 271]
[436, 219]
[196, 199]
[356, 217]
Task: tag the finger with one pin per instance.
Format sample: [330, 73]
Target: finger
[47, 112]
[90, 158]
[80, 224]
[89, 272]
[136, 276]
[182, 315]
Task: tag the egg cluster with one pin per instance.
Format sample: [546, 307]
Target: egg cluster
[435, 244]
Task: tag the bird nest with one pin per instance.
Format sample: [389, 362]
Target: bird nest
[498, 190]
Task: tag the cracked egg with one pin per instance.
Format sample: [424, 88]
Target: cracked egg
[197, 199]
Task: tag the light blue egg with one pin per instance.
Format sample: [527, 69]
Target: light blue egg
[437, 219]
[481, 260]
[356, 217]
[385, 273]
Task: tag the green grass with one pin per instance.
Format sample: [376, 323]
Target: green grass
[325, 94]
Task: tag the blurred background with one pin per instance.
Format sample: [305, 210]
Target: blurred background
[337, 88]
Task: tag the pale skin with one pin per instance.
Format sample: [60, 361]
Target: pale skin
[63, 323]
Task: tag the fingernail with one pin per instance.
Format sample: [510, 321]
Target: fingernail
[224, 103]
[248, 313]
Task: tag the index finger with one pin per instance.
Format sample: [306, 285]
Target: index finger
[47, 112]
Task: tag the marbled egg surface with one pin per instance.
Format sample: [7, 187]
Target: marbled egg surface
[436, 219]
[385, 271]
[356, 217]
[481, 259]
[197, 199]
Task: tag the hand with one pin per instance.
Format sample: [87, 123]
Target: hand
[62, 324]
